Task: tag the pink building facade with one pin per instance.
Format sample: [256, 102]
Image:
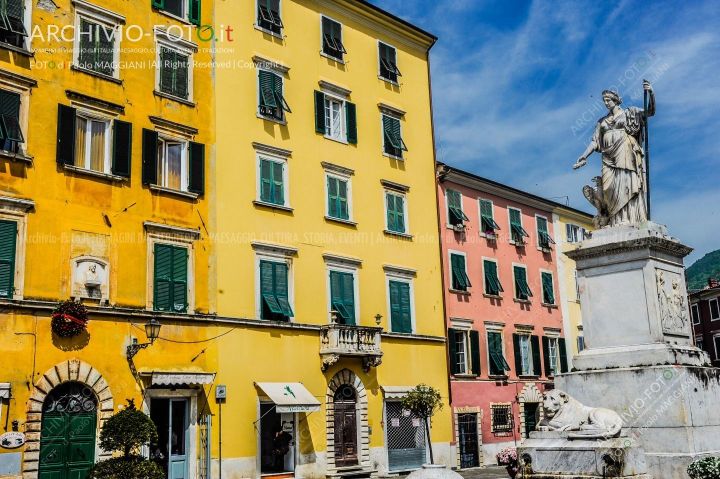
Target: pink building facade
[505, 328]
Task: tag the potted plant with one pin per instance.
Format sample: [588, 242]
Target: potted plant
[705, 468]
[125, 433]
[508, 458]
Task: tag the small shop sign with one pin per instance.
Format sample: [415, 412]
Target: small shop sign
[12, 440]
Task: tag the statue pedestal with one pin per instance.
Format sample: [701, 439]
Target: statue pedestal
[551, 455]
[640, 359]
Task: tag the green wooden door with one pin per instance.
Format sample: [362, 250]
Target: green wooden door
[67, 439]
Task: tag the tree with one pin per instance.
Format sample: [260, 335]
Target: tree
[423, 402]
[126, 432]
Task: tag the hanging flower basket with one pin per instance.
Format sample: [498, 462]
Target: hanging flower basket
[69, 319]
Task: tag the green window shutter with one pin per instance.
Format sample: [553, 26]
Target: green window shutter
[197, 168]
[182, 76]
[452, 351]
[342, 294]
[492, 282]
[338, 198]
[390, 200]
[535, 346]
[271, 182]
[105, 50]
[394, 144]
[498, 364]
[544, 239]
[515, 217]
[460, 280]
[158, 4]
[267, 89]
[487, 217]
[548, 290]
[343, 200]
[395, 213]
[546, 356]
[518, 233]
[351, 122]
[163, 278]
[455, 211]
[319, 112]
[10, 130]
[8, 245]
[195, 12]
[270, 307]
[278, 183]
[349, 296]
[282, 290]
[149, 157]
[522, 290]
[279, 97]
[400, 307]
[66, 130]
[563, 355]
[475, 352]
[167, 73]
[518, 357]
[180, 280]
[122, 148]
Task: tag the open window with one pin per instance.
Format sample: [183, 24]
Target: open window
[271, 101]
[274, 291]
[393, 143]
[173, 163]
[498, 364]
[527, 354]
[548, 289]
[493, 287]
[268, 16]
[13, 30]
[97, 42]
[456, 216]
[335, 118]
[458, 273]
[488, 226]
[11, 135]
[517, 232]
[183, 9]
[388, 63]
[545, 241]
[332, 39]
[522, 289]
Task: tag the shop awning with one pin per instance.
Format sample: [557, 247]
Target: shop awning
[396, 392]
[290, 397]
[180, 378]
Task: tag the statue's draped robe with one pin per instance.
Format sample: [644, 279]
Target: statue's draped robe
[619, 138]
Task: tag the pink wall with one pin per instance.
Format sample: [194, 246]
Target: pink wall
[483, 390]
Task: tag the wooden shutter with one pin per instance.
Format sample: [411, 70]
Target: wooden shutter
[195, 12]
[197, 168]
[399, 214]
[278, 183]
[548, 290]
[535, 346]
[162, 288]
[519, 275]
[452, 351]
[167, 61]
[10, 116]
[86, 55]
[319, 111]
[181, 72]
[515, 217]
[65, 153]
[105, 48]
[546, 356]
[266, 183]
[400, 307]
[497, 366]
[351, 117]
[282, 290]
[158, 4]
[563, 355]
[348, 295]
[333, 208]
[390, 200]
[518, 357]
[122, 148]
[180, 280]
[475, 352]
[343, 200]
[150, 157]
[8, 244]
[395, 312]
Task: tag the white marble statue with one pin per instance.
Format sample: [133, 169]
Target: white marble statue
[620, 194]
[563, 413]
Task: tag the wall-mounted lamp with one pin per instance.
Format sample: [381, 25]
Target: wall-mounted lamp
[378, 319]
[152, 331]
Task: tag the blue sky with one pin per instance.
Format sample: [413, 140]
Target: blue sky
[517, 87]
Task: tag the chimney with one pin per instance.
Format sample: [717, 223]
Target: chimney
[713, 282]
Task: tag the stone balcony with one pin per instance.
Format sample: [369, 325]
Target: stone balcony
[341, 340]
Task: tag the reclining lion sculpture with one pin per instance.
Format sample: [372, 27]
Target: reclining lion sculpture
[563, 413]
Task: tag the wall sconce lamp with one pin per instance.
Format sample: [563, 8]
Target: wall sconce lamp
[152, 331]
[378, 319]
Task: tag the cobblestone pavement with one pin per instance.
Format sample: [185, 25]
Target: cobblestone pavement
[484, 473]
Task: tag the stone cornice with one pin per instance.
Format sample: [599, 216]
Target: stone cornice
[17, 79]
[173, 126]
[334, 89]
[96, 102]
[268, 64]
[273, 248]
[662, 245]
[271, 150]
[333, 168]
[159, 228]
[391, 185]
[21, 205]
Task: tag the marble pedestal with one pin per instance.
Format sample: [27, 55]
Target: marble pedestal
[551, 455]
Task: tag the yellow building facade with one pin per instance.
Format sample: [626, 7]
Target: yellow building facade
[327, 239]
[571, 227]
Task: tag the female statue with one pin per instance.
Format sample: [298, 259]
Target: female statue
[621, 188]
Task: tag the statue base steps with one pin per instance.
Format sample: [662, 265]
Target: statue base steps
[553, 455]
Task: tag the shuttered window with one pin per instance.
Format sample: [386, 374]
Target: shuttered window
[562, 350]
[8, 244]
[10, 131]
[395, 213]
[171, 278]
[498, 364]
[522, 289]
[342, 296]
[388, 63]
[460, 280]
[393, 143]
[274, 291]
[544, 239]
[271, 102]
[517, 232]
[332, 38]
[400, 307]
[455, 212]
[551, 356]
[12, 22]
[174, 72]
[272, 183]
[548, 291]
[268, 15]
[185, 9]
[492, 281]
[97, 47]
[487, 217]
[338, 198]
[335, 118]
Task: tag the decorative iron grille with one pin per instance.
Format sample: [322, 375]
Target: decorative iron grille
[502, 418]
[405, 438]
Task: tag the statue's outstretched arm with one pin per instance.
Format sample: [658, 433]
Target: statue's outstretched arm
[582, 161]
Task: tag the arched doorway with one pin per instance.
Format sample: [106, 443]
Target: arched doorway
[346, 437]
[69, 426]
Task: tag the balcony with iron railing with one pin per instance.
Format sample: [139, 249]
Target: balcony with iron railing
[345, 340]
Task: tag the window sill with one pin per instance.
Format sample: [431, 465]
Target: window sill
[16, 157]
[96, 74]
[387, 80]
[174, 98]
[459, 291]
[341, 220]
[272, 119]
[393, 157]
[263, 204]
[528, 377]
[545, 250]
[547, 305]
[489, 236]
[498, 377]
[330, 57]
[20, 50]
[336, 140]
[184, 194]
[93, 173]
[269, 32]
[174, 17]
[518, 244]
[492, 296]
[522, 301]
[464, 375]
[398, 234]
[456, 228]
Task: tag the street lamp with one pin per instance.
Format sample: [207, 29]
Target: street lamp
[152, 331]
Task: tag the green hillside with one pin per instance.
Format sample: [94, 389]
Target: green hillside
[706, 267]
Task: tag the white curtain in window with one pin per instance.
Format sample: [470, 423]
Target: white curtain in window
[80, 142]
[97, 145]
[174, 165]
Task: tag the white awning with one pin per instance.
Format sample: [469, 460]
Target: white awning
[396, 392]
[290, 397]
[4, 390]
[181, 378]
